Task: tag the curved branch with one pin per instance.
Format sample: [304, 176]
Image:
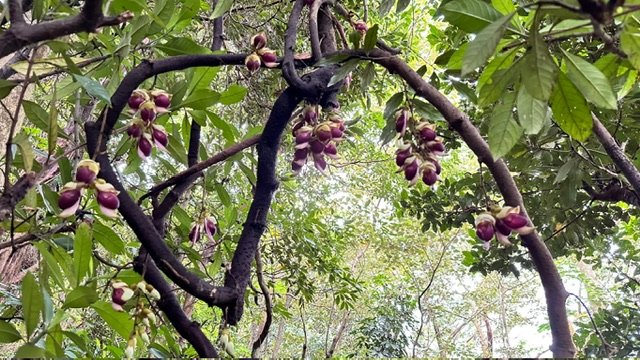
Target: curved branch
[21, 34]
[150, 238]
[288, 66]
[617, 154]
[316, 50]
[169, 304]
[267, 304]
[555, 292]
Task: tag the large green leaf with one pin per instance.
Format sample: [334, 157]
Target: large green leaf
[82, 251]
[36, 115]
[121, 322]
[8, 333]
[538, 72]
[484, 45]
[370, 38]
[570, 109]
[5, 87]
[532, 113]
[494, 89]
[592, 83]
[504, 131]
[108, 238]
[469, 15]
[182, 46]
[80, 297]
[234, 93]
[201, 99]
[93, 88]
[32, 303]
[630, 40]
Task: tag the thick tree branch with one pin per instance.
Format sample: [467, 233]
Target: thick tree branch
[613, 194]
[170, 305]
[617, 154]
[555, 292]
[21, 34]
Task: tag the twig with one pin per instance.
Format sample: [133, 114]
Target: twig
[267, 305]
[605, 344]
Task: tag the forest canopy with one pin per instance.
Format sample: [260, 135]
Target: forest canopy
[319, 178]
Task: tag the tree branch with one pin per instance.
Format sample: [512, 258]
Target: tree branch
[267, 305]
[21, 34]
[555, 292]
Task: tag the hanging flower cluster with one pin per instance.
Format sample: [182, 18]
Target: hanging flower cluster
[86, 178]
[500, 223]
[315, 140]
[208, 225]
[143, 316]
[147, 105]
[260, 53]
[418, 155]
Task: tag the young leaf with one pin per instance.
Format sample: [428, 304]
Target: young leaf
[119, 321]
[82, 251]
[81, 297]
[539, 70]
[5, 87]
[590, 81]
[504, 131]
[343, 71]
[221, 7]
[235, 93]
[469, 15]
[26, 149]
[36, 114]
[32, 302]
[370, 38]
[532, 113]
[630, 40]
[385, 7]
[392, 105]
[52, 133]
[8, 333]
[108, 238]
[484, 45]
[93, 88]
[570, 109]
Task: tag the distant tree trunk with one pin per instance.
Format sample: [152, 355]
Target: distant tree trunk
[277, 344]
[341, 328]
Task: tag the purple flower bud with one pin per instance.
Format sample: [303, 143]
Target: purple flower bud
[162, 100]
[410, 168]
[86, 171]
[429, 175]
[69, 200]
[309, 114]
[330, 150]
[268, 56]
[361, 26]
[402, 117]
[336, 133]
[437, 147]
[148, 112]
[301, 154]
[319, 162]
[502, 227]
[258, 41]
[317, 146]
[515, 220]
[137, 98]
[160, 138]
[323, 132]
[297, 126]
[252, 62]
[485, 230]
[427, 131]
[403, 153]
[144, 147]
[303, 136]
[210, 227]
[194, 234]
[134, 130]
[108, 202]
[296, 167]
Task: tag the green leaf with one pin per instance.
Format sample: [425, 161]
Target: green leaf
[52, 133]
[504, 131]
[36, 114]
[182, 46]
[570, 109]
[370, 38]
[385, 7]
[539, 69]
[484, 45]
[504, 6]
[532, 113]
[81, 297]
[32, 303]
[343, 71]
[630, 40]
[82, 251]
[121, 322]
[392, 105]
[564, 171]
[469, 15]
[221, 7]
[30, 351]
[8, 333]
[201, 99]
[26, 149]
[235, 93]
[93, 88]
[223, 195]
[592, 83]
[494, 89]
[5, 87]
[401, 5]
[332, 59]
[367, 76]
[108, 238]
